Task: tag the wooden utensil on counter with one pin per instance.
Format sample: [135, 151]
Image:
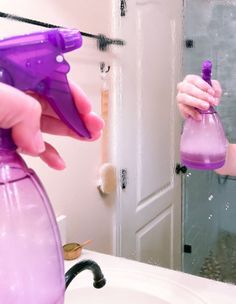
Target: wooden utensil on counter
[73, 250]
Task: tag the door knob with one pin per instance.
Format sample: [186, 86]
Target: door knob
[180, 169]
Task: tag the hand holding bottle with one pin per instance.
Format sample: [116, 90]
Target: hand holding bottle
[194, 92]
[203, 143]
[33, 65]
[29, 116]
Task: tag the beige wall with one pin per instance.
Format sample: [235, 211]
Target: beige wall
[73, 192]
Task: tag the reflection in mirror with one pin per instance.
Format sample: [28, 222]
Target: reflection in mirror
[209, 229]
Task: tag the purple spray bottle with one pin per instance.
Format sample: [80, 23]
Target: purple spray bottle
[203, 143]
[31, 261]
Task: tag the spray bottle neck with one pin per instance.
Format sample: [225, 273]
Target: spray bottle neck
[211, 110]
[6, 141]
[206, 76]
[12, 165]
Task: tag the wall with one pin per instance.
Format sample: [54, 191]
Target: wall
[73, 192]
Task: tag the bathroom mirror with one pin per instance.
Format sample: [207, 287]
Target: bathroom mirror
[146, 220]
[151, 222]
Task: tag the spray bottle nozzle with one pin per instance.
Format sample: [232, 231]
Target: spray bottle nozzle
[35, 62]
[70, 39]
[207, 71]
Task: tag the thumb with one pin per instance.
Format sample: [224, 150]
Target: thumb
[22, 113]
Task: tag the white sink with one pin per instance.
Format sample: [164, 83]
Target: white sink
[139, 283]
[112, 295]
[129, 287]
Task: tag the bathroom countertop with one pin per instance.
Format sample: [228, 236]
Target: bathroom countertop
[212, 292]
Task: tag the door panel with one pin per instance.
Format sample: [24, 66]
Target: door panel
[153, 234]
[150, 206]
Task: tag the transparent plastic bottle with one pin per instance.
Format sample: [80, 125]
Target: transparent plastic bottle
[31, 261]
[203, 143]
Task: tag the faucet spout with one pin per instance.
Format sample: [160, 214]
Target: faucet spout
[99, 280]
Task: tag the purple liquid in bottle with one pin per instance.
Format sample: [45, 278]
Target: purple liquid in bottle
[203, 143]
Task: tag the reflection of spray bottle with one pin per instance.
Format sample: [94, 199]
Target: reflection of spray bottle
[31, 263]
[203, 143]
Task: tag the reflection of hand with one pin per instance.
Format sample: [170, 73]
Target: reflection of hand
[28, 116]
[194, 92]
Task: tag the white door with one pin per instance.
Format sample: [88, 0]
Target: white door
[148, 133]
